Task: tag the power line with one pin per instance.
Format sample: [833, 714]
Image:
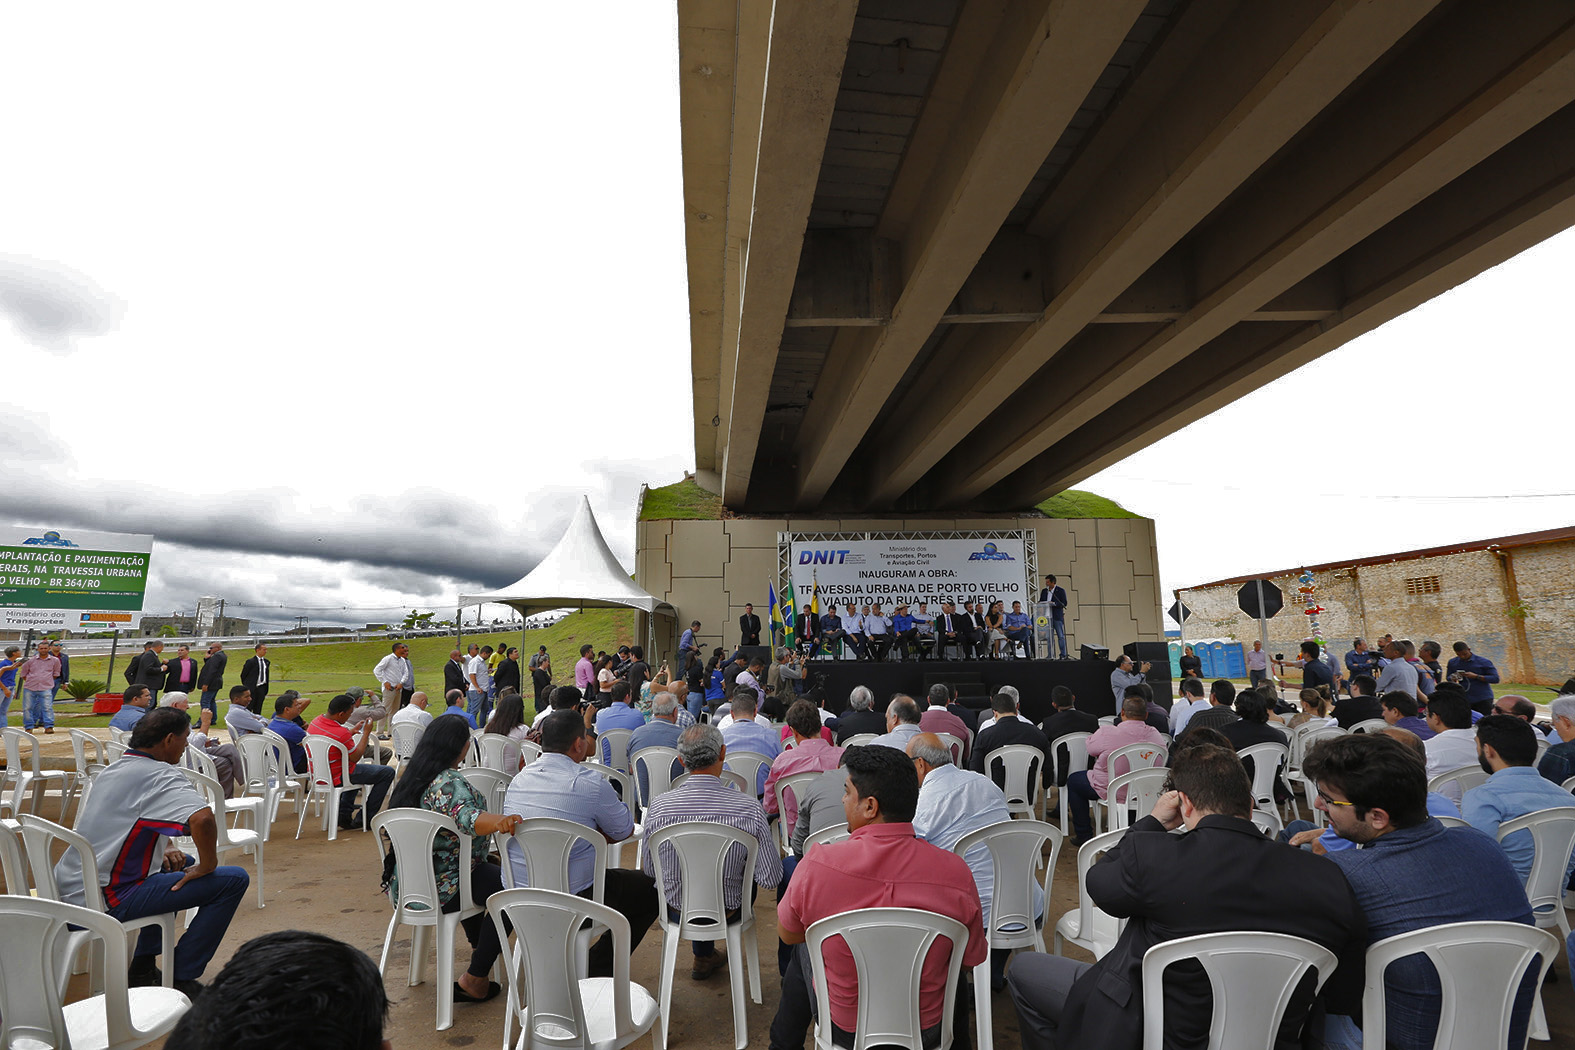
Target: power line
[1369, 495]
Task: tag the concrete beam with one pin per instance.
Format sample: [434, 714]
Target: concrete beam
[1264, 77]
[1005, 93]
[706, 32]
[1342, 182]
[1518, 198]
[808, 42]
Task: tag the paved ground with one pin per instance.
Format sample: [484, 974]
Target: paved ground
[331, 887]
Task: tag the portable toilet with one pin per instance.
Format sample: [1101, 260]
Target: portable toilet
[1235, 660]
[1217, 665]
[1175, 660]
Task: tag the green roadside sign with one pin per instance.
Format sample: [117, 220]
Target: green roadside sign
[72, 579]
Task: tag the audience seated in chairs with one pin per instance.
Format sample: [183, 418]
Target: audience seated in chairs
[902, 723]
[137, 805]
[555, 786]
[226, 761]
[1327, 840]
[1090, 786]
[415, 711]
[809, 752]
[936, 715]
[291, 988]
[287, 723]
[1009, 728]
[661, 731]
[745, 733]
[239, 716]
[705, 797]
[1220, 876]
[882, 865]
[1066, 718]
[1558, 765]
[378, 779]
[432, 781]
[135, 702]
[1374, 791]
[1508, 746]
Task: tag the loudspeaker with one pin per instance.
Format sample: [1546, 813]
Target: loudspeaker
[1094, 652]
[1157, 653]
[752, 651]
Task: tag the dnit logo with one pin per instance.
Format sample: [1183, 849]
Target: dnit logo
[822, 557]
[990, 554]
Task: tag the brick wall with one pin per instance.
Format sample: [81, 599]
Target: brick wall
[1448, 598]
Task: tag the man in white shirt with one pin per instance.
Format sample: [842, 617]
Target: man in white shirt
[986, 723]
[478, 683]
[924, 623]
[414, 712]
[1192, 701]
[955, 802]
[239, 716]
[391, 672]
[751, 677]
[853, 624]
[878, 630]
[1455, 742]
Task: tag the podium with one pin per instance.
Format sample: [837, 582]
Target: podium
[1044, 639]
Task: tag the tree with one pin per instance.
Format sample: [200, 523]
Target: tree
[415, 621]
[168, 631]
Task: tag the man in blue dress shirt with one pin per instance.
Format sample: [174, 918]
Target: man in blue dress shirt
[1476, 674]
[133, 705]
[1018, 629]
[557, 785]
[746, 734]
[1508, 746]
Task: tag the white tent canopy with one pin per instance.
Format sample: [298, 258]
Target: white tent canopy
[580, 572]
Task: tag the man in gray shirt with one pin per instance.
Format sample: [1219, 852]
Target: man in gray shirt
[1398, 675]
[819, 806]
[1124, 676]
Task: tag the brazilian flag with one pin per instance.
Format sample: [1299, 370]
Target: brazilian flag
[784, 617]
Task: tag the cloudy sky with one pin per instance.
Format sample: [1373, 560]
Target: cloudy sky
[348, 303]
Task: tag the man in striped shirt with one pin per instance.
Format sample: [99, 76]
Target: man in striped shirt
[704, 797]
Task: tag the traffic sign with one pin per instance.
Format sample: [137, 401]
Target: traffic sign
[1247, 599]
[1179, 611]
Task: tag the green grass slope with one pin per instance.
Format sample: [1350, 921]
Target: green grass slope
[1075, 503]
[682, 501]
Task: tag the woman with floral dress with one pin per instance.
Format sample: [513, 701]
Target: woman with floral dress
[432, 781]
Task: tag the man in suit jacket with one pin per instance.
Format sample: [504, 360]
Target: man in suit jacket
[454, 673]
[749, 626]
[150, 668]
[953, 628]
[981, 633]
[1009, 728]
[1214, 879]
[256, 676]
[211, 680]
[860, 717]
[180, 675]
[1064, 719]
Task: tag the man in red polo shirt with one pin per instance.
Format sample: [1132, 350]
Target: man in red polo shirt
[881, 866]
[378, 778]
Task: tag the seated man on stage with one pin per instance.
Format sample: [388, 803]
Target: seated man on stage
[953, 628]
[1019, 629]
[853, 624]
[831, 632]
[877, 629]
[904, 632]
[924, 623]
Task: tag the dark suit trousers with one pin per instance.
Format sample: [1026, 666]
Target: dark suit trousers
[259, 697]
[1039, 985]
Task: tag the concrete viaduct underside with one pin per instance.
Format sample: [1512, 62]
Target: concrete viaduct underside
[966, 253]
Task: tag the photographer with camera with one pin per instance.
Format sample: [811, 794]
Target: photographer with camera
[785, 680]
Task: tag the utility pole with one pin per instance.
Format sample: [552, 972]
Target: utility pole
[222, 632]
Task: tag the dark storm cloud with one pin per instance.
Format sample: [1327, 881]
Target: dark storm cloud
[467, 544]
[52, 305]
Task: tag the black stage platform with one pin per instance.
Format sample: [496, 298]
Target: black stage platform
[1089, 680]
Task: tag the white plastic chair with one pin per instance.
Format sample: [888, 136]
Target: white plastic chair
[498, 751]
[1023, 774]
[1109, 720]
[1452, 822]
[198, 760]
[612, 748]
[1568, 785]
[889, 948]
[529, 752]
[39, 837]
[727, 776]
[411, 834]
[1136, 756]
[1480, 967]
[322, 787]
[87, 751]
[699, 851]
[1553, 831]
[752, 766]
[285, 767]
[1076, 745]
[249, 840]
[492, 784]
[113, 750]
[955, 745]
[265, 776]
[1016, 848]
[33, 1011]
[1252, 975]
[1134, 792]
[1466, 777]
[1306, 737]
[626, 791]
[835, 833]
[545, 844]
[120, 736]
[1267, 762]
[859, 739]
[23, 777]
[653, 771]
[1369, 725]
[405, 736]
[558, 1008]
[780, 827]
[13, 858]
[1269, 821]
[1087, 926]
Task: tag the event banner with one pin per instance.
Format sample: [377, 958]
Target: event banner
[908, 570]
[84, 581]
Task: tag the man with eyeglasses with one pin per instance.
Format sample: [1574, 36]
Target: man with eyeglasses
[1373, 787]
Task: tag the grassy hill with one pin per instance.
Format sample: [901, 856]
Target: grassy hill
[328, 669]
